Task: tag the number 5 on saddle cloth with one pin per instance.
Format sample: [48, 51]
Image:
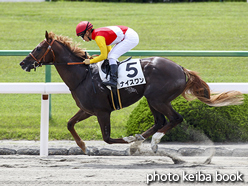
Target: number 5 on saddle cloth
[129, 74]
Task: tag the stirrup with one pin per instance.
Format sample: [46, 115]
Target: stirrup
[109, 83]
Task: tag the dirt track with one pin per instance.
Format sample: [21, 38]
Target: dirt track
[56, 170]
[115, 170]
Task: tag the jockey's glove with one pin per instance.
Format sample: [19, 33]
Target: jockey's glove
[87, 61]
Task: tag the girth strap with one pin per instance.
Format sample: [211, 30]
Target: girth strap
[116, 98]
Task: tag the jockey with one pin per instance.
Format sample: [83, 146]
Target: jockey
[122, 37]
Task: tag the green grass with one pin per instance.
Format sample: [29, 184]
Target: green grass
[168, 26]
[20, 118]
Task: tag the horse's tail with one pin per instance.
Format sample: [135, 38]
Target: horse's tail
[198, 88]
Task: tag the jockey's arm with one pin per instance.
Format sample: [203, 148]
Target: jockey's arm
[109, 48]
[104, 49]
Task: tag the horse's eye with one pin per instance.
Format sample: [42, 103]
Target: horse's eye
[38, 48]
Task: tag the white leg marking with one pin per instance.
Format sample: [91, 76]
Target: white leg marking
[155, 140]
[129, 139]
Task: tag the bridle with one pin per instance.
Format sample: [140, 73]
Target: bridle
[38, 63]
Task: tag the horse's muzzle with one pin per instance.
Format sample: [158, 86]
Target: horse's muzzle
[25, 67]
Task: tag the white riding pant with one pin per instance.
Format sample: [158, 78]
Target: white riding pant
[131, 39]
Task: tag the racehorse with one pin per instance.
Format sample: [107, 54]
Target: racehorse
[165, 80]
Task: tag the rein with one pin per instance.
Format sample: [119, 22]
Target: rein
[38, 63]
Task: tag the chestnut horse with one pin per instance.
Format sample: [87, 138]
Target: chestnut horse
[165, 80]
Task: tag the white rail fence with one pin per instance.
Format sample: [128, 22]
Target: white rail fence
[60, 88]
[38, 88]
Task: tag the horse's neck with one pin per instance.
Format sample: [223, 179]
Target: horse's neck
[72, 75]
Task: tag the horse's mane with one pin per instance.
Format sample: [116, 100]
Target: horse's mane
[69, 44]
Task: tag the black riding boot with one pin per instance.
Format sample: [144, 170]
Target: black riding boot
[113, 76]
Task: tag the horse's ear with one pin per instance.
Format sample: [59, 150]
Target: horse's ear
[46, 36]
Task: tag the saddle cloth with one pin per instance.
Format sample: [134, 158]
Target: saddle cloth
[129, 74]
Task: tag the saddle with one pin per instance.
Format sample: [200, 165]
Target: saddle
[106, 67]
[115, 95]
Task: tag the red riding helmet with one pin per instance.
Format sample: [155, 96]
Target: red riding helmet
[82, 27]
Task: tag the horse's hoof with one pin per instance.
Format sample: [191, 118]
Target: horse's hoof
[139, 137]
[87, 152]
[129, 139]
[155, 148]
[92, 151]
[155, 140]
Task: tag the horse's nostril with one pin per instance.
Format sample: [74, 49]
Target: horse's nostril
[22, 63]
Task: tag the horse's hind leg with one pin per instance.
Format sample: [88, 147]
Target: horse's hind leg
[159, 120]
[174, 120]
[104, 121]
[79, 116]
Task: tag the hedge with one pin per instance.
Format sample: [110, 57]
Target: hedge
[219, 124]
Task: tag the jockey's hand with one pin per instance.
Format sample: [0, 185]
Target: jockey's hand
[87, 61]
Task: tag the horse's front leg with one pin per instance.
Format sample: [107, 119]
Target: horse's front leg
[104, 122]
[79, 116]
